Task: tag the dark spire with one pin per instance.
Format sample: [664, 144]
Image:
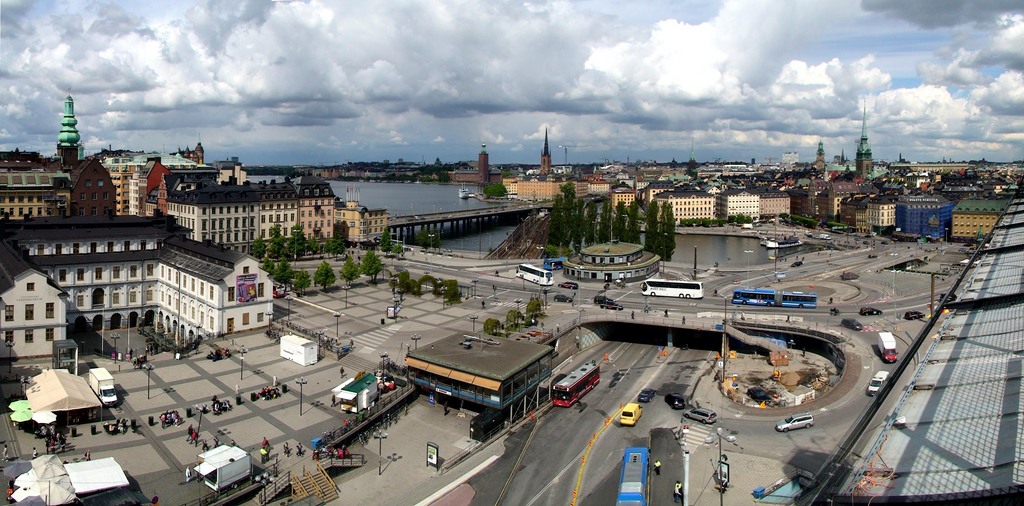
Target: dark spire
[546, 152]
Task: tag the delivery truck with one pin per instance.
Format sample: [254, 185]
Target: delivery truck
[887, 346]
[102, 384]
[224, 466]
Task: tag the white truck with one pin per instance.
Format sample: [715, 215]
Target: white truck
[887, 346]
[876, 382]
[224, 466]
[102, 384]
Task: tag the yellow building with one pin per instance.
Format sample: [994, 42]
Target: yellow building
[358, 223]
[974, 219]
[34, 193]
[623, 194]
[688, 205]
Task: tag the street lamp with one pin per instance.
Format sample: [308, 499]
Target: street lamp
[337, 322]
[380, 436]
[748, 252]
[270, 317]
[241, 363]
[474, 317]
[546, 290]
[346, 288]
[383, 359]
[149, 369]
[289, 299]
[115, 336]
[301, 381]
[722, 473]
[416, 339]
[10, 356]
[475, 281]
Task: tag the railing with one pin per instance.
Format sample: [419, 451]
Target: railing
[275, 487]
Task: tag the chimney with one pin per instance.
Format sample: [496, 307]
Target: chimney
[169, 223]
[25, 255]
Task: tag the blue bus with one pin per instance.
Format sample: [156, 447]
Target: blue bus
[633, 480]
[554, 264]
[776, 298]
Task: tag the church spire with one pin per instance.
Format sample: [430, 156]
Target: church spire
[67, 139]
[545, 155]
[546, 151]
[863, 161]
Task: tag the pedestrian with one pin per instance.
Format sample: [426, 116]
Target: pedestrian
[684, 320]
[632, 315]
[188, 474]
[830, 301]
[6, 457]
[657, 467]
[35, 453]
[88, 455]
[334, 400]
[666, 313]
[483, 304]
[677, 493]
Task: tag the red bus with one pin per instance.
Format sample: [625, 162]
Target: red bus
[574, 386]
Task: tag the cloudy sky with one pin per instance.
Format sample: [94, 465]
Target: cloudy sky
[321, 81]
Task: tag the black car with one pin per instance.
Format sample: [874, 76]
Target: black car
[872, 256]
[852, 324]
[867, 311]
[601, 299]
[561, 297]
[568, 284]
[913, 315]
[798, 263]
[758, 394]
[646, 395]
[611, 304]
[675, 401]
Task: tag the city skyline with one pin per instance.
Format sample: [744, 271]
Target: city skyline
[311, 82]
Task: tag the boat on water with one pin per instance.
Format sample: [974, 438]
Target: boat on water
[785, 242]
[464, 193]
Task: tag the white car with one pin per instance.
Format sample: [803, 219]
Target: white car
[876, 382]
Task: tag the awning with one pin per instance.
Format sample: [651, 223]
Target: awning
[58, 390]
[452, 374]
[95, 475]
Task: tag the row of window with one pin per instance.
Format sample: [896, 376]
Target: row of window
[88, 183]
[94, 247]
[29, 335]
[106, 195]
[29, 312]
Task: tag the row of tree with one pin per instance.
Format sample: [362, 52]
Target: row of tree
[296, 245]
[576, 223]
[324, 275]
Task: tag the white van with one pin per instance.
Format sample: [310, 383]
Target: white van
[876, 382]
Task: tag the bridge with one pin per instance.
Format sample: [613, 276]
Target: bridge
[456, 223]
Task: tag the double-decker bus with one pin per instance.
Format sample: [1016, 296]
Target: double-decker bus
[574, 386]
[776, 298]
[633, 479]
[535, 274]
[554, 264]
[672, 288]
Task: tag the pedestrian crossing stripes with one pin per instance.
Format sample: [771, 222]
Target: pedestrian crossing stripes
[695, 433]
[369, 341]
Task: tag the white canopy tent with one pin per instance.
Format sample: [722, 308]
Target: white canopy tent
[57, 390]
[96, 475]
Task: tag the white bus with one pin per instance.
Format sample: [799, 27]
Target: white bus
[535, 274]
[673, 288]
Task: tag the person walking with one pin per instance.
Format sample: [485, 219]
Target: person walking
[6, 457]
[657, 467]
[35, 453]
[677, 493]
[188, 474]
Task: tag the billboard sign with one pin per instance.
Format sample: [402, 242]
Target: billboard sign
[245, 288]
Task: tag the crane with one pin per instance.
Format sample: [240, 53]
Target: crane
[566, 151]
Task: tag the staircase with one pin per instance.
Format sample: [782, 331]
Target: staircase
[315, 482]
[275, 487]
[746, 338]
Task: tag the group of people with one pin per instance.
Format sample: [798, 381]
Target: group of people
[56, 442]
[267, 393]
[220, 406]
[170, 418]
[219, 354]
[117, 426]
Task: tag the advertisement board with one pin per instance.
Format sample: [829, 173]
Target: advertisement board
[245, 288]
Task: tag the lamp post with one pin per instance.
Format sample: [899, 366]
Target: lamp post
[149, 369]
[475, 281]
[722, 473]
[747, 253]
[347, 287]
[416, 339]
[10, 356]
[241, 363]
[474, 317]
[430, 242]
[301, 381]
[270, 317]
[380, 436]
[289, 299]
[383, 359]
[115, 336]
[337, 322]
[546, 290]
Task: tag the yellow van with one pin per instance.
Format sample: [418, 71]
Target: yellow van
[630, 414]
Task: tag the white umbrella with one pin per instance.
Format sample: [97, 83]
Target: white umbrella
[53, 491]
[48, 466]
[44, 417]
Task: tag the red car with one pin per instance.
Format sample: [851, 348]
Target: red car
[568, 284]
[280, 291]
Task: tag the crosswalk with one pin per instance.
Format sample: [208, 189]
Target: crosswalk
[694, 433]
[369, 341]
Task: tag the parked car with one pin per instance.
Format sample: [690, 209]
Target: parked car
[646, 395]
[800, 421]
[758, 394]
[611, 304]
[561, 297]
[572, 285]
[913, 315]
[675, 401]
[280, 291]
[852, 324]
[876, 382]
[600, 299]
[867, 311]
[702, 415]
[872, 256]
[952, 297]
[798, 263]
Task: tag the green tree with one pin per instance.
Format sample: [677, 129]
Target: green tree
[451, 291]
[270, 266]
[496, 190]
[604, 223]
[534, 307]
[428, 238]
[651, 235]
[278, 243]
[557, 224]
[301, 282]
[590, 224]
[633, 223]
[667, 232]
[512, 319]
[349, 271]
[372, 266]
[297, 241]
[579, 227]
[284, 273]
[335, 246]
[619, 224]
[398, 250]
[324, 276]
[568, 190]
[492, 326]
[385, 241]
[258, 248]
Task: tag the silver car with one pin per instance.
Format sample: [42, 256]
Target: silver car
[798, 421]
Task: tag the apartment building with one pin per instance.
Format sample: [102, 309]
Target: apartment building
[688, 204]
[226, 214]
